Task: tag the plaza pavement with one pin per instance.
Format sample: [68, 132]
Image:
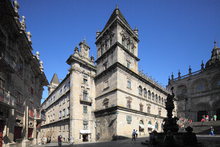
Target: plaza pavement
[206, 140]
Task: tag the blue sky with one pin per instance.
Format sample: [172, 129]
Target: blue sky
[173, 33]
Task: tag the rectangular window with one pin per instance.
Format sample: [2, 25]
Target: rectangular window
[85, 95]
[85, 124]
[105, 65]
[129, 84]
[85, 110]
[85, 81]
[105, 85]
[129, 119]
[128, 64]
[128, 104]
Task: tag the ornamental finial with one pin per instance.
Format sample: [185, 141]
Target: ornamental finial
[23, 24]
[16, 6]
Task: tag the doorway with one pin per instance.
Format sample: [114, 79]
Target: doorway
[85, 137]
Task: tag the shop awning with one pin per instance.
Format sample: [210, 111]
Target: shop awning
[85, 132]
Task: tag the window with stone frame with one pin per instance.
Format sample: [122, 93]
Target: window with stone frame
[156, 98]
[128, 64]
[106, 103]
[105, 85]
[85, 109]
[159, 99]
[149, 94]
[129, 83]
[141, 107]
[85, 95]
[85, 125]
[152, 96]
[85, 80]
[159, 111]
[148, 108]
[162, 101]
[129, 104]
[129, 119]
[105, 65]
[145, 92]
[140, 90]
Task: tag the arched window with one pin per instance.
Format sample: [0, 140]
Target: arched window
[152, 96]
[141, 107]
[162, 101]
[145, 92]
[140, 90]
[149, 94]
[156, 98]
[148, 109]
[159, 100]
[129, 103]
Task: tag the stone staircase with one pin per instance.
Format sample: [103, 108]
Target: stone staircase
[204, 127]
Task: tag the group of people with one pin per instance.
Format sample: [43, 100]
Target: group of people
[134, 134]
[206, 118]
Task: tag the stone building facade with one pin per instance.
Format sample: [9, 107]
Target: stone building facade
[21, 80]
[198, 93]
[109, 99]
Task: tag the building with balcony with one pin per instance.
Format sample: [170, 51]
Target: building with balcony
[109, 99]
[21, 79]
[198, 93]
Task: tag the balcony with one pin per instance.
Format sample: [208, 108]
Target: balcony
[86, 100]
[6, 98]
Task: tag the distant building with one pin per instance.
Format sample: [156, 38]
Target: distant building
[108, 100]
[198, 93]
[21, 80]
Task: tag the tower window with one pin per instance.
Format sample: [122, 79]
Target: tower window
[105, 65]
[129, 84]
[141, 107]
[85, 95]
[129, 104]
[85, 110]
[128, 64]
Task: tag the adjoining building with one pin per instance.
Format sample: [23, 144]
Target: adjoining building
[198, 93]
[106, 100]
[21, 80]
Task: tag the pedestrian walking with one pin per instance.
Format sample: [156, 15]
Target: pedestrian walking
[215, 117]
[59, 140]
[133, 135]
[212, 131]
[207, 117]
